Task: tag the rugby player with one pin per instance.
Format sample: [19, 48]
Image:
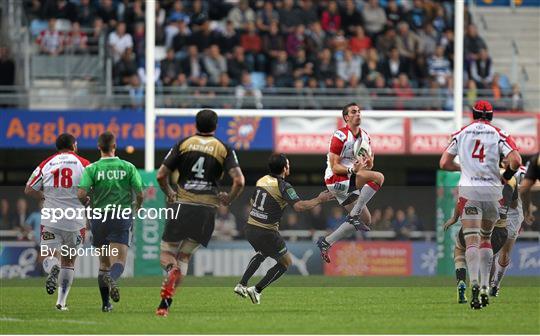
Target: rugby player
[270, 198]
[111, 183]
[201, 160]
[532, 174]
[54, 182]
[479, 146]
[351, 181]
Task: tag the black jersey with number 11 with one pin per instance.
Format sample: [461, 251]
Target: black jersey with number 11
[272, 194]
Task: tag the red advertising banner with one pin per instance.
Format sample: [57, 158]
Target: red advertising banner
[370, 258]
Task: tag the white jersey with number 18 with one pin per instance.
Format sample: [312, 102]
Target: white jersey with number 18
[479, 147]
[58, 176]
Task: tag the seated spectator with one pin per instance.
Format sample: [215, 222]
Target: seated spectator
[417, 15]
[181, 39]
[242, 15]
[21, 214]
[394, 65]
[136, 92]
[472, 93]
[387, 41]
[394, 13]
[473, 43]
[193, 67]
[282, 70]
[119, 41]
[517, 99]
[98, 33]
[108, 13]
[86, 13]
[336, 218]
[77, 39]
[351, 19]
[7, 68]
[289, 17]
[125, 68]
[273, 44]
[252, 44]
[403, 91]
[414, 221]
[316, 39]
[307, 12]
[447, 41]
[60, 9]
[339, 44]
[428, 38]
[170, 69]
[408, 42]
[439, 67]
[6, 217]
[265, 16]
[315, 217]
[214, 64]
[160, 24]
[400, 224]
[229, 40]
[349, 68]
[439, 21]
[204, 37]
[177, 13]
[51, 41]
[420, 72]
[225, 228]
[134, 14]
[359, 44]
[374, 18]
[331, 18]
[302, 67]
[325, 69]
[139, 40]
[482, 70]
[237, 65]
[296, 41]
[246, 89]
[370, 72]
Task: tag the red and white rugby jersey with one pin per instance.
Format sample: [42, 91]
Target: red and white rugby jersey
[58, 176]
[342, 143]
[479, 146]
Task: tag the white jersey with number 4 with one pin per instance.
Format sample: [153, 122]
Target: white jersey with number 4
[58, 176]
[479, 146]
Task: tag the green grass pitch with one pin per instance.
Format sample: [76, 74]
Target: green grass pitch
[295, 304]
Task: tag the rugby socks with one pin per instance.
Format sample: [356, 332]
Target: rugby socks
[116, 271]
[343, 231]
[252, 267]
[499, 273]
[165, 303]
[272, 275]
[486, 257]
[65, 280]
[366, 194]
[103, 288]
[472, 255]
[461, 270]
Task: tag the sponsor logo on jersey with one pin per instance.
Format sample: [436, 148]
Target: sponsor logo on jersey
[471, 211]
[292, 193]
[340, 135]
[47, 235]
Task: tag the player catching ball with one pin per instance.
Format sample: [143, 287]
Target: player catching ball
[349, 177]
[272, 194]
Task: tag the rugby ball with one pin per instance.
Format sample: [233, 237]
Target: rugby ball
[361, 148]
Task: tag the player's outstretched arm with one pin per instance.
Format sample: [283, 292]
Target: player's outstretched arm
[237, 186]
[336, 166]
[37, 194]
[324, 196]
[452, 220]
[163, 181]
[514, 162]
[447, 162]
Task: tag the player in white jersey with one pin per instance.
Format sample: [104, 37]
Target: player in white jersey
[479, 146]
[514, 218]
[55, 182]
[349, 178]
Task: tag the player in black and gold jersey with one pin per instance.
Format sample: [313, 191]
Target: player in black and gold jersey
[532, 174]
[201, 161]
[272, 194]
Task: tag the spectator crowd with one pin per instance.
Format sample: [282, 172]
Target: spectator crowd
[396, 48]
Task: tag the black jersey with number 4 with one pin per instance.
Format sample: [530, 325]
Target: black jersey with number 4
[201, 161]
[272, 194]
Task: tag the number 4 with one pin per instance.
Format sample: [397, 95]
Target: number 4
[198, 168]
[478, 151]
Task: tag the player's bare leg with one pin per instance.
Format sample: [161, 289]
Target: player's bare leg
[371, 182]
[501, 262]
[471, 232]
[65, 280]
[272, 275]
[104, 267]
[461, 273]
[486, 257]
[117, 263]
[346, 229]
[176, 266]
